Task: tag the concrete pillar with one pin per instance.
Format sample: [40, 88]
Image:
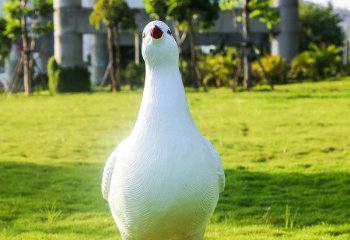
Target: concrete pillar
[99, 57]
[68, 39]
[88, 3]
[45, 51]
[98, 51]
[45, 46]
[286, 42]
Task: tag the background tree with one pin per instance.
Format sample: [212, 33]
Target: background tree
[252, 9]
[318, 25]
[192, 16]
[189, 16]
[5, 41]
[157, 9]
[18, 13]
[116, 15]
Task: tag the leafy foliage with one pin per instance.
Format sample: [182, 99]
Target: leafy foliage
[303, 66]
[12, 17]
[202, 12]
[260, 9]
[135, 74]
[253, 9]
[71, 79]
[112, 13]
[319, 62]
[116, 15]
[36, 11]
[41, 7]
[218, 68]
[52, 68]
[25, 21]
[186, 12]
[275, 67]
[189, 16]
[319, 25]
[5, 41]
[157, 9]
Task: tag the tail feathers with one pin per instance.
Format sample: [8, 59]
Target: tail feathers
[107, 176]
[219, 167]
[108, 171]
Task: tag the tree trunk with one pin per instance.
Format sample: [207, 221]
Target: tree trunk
[195, 72]
[238, 72]
[137, 47]
[248, 83]
[26, 51]
[111, 58]
[179, 37]
[117, 57]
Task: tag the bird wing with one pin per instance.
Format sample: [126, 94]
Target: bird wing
[218, 164]
[108, 170]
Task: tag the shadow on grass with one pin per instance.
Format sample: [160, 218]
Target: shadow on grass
[258, 197]
[31, 191]
[38, 191]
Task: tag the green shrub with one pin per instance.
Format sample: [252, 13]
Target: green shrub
[73, 79]
[185, 72]
[275, 67]
[218, 68]
[134, 74]
[67, 79]
[303, 66]
[319, 62]
[40, 82]
[52, 68]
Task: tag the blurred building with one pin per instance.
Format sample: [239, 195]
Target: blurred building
[76, 42]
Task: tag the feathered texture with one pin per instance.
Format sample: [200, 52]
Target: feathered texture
[219, 168]
[164, 180]
[108, 171]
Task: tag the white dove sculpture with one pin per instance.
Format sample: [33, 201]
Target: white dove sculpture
[163, 181]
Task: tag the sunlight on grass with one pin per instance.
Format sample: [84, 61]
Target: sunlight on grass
[286, 157]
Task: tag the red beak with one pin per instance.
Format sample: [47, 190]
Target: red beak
[156, 32]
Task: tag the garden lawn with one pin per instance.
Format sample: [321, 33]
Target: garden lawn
[286, 155]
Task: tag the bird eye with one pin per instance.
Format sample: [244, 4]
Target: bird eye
[143, 35]
[168, 32]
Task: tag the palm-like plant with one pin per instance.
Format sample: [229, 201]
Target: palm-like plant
[218, 68]
[318, 62]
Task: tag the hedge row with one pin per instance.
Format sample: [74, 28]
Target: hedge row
[67, 79]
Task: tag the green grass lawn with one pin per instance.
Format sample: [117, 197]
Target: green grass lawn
[286, 155]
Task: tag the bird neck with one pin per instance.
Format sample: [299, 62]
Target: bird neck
[164, 98]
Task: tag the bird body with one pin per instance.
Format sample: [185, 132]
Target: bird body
[163, 181]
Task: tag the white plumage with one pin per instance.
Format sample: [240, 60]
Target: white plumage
[164, 180]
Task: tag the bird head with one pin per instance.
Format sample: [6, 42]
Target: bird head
[159, 47]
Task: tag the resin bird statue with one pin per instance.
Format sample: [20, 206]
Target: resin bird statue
[163, 181]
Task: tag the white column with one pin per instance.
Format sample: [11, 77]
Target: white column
[45, 47]
[99, 57]
[68, 39]
[98, 51]
[286, 42]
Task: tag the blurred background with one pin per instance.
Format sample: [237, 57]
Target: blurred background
[266, 81]
[228, 43]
